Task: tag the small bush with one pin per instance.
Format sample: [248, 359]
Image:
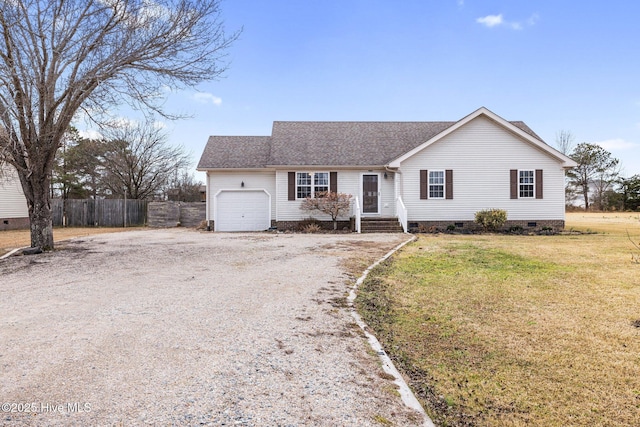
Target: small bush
[312, 228]
[491, 219]
[548, 231]
[306, 222]
[516, 229]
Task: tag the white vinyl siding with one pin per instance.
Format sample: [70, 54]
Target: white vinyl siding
[481, 155]
[12, 201]
[233, 180]
[349, 181]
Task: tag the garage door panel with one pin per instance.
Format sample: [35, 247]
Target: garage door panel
[242, 211]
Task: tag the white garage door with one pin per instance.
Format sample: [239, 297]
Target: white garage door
[242, 211]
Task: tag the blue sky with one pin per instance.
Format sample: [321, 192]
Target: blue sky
[557, 65]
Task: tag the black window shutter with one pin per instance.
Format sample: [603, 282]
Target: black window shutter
[538, 183]
[514, 183]
[448, 179]
[333, 182]
[292, 185]
[424, 191]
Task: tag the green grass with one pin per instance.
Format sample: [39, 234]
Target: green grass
[513, 330]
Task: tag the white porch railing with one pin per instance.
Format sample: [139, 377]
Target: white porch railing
[356, 213]
[401, 213]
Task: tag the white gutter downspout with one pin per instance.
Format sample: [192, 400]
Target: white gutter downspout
[397, 186]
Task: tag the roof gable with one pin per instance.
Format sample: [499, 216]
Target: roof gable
[517, 128]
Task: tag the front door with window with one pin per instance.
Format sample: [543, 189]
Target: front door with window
[370, 194]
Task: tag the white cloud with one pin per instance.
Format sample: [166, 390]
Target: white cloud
[490, 20]
[205, 98]
[90, 134]
[123, 122]
[460, 3]
[515, 25]
[616, 144]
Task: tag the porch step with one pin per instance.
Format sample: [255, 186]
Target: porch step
[380, 225]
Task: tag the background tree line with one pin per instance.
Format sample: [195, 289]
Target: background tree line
[598, 181]
[131, 160]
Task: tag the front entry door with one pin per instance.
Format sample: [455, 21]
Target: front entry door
[370, 193]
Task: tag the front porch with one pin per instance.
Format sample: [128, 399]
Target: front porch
[376, 224]
[380, 225]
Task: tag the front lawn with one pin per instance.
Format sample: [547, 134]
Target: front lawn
[496, 330]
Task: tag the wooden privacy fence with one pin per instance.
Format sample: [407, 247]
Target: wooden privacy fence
[173, 214]
[99, 213]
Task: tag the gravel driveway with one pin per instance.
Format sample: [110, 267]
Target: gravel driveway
[178, 327]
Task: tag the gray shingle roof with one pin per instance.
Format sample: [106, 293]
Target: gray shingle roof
[347, 143]
[323, 144]
[235, 152]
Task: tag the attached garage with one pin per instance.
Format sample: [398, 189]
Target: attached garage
[242, 210]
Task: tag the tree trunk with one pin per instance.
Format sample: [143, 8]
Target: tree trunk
[40, 215]
[41, 222]
[586, 199]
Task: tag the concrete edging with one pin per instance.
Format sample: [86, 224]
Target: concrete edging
[407, 395]
[8, 254]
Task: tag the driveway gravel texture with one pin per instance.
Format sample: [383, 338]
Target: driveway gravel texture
[179, 327]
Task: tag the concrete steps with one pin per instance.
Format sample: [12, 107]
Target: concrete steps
[380, 225]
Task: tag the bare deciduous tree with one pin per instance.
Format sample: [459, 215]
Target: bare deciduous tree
[330, 203]
[564, 141]
[564, 144]
[62, 57]
[139, 161]
[184, 188]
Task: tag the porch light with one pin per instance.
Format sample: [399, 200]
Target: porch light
[242, 184]
[385, 175]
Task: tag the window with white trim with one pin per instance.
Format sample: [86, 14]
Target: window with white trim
[436, 184]
[308, 184]
[526, 184]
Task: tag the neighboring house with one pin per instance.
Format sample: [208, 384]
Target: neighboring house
[13, 205]
[421, 173]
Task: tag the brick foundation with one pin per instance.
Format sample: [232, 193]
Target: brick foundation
[14, 223]
[425, 226]
[298, 225]
[211, 224]
[471, 226]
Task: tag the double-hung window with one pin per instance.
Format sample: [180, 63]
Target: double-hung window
[526, 184]
[309, 184]
[436, 184]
